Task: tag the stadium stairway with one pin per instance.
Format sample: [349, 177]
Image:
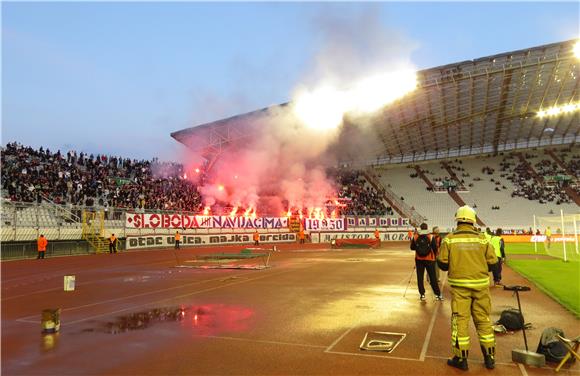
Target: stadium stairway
[437, 208]
[454, 194]
[569, 191]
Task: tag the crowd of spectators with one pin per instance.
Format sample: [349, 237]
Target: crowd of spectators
[534, 187]
[73, 178]
[363, 200]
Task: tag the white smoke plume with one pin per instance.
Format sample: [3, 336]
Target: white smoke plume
[282, 164]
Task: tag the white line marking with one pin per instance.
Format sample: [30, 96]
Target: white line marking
[265, 341]
[372, 356]
[522, 369]
[133, 296]
[162, 300]
[431, 325]
[339, 338]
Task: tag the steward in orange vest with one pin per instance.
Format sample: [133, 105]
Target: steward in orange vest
[177, 239]
[256, 238]
[41, 243]
[425, 247]
[112, 244]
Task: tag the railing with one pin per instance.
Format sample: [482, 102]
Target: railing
[60, 210]
[414, 217]
[24, 250]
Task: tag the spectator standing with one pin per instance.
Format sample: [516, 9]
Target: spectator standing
[41, 245]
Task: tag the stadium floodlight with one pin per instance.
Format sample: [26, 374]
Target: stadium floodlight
[576, 49]
[559, 110]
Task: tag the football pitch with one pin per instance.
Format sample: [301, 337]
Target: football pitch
[548, 271]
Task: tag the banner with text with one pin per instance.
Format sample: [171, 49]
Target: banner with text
[366, 221]
[330, 224]
[167, 241]
[134, 220]
[327, 237]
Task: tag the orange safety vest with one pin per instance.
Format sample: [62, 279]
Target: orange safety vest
[377, 234]
[301, 234]
[42, 242]
[256, 236]
[431, 255]
[177, 236]
[112, 239]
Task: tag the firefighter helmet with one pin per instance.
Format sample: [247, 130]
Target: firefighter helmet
[465, 214]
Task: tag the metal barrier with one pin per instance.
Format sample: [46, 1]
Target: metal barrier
[28, 250]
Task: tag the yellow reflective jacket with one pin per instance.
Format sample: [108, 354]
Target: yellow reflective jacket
[468, 256]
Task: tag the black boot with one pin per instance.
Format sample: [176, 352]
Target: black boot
[458, 362]
[489, 361]
[488, 357]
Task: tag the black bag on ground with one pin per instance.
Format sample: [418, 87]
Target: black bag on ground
[422, 245]
[550, 345]
[512, 319]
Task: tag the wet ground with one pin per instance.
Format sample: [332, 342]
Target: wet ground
[136, 313]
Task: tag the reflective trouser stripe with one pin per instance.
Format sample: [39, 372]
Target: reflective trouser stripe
[465, 240]
[456, 282]
[465, 304]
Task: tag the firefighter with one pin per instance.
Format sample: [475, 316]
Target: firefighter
[468, 256]
[41, 243]
[256, 238]
[112, 244]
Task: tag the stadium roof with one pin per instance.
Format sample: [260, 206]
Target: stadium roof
[472, 107]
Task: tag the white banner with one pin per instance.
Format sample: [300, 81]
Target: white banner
[168, 241]
[327, 237]
[329, 224]
[134, 220]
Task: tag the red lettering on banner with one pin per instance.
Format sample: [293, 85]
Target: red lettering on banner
[137, 222]
[154, 220]
[185, 221]
[164, 221]
[175, 221]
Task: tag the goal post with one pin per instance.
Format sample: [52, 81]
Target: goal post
[557, 235]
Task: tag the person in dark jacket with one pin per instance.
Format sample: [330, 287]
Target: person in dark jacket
[425, 247]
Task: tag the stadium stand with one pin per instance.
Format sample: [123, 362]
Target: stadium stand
[434, 206]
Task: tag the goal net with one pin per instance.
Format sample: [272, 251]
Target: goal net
[557, 236]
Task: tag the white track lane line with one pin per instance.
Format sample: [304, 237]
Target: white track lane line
[372, 356]
[339, 338]
[432, 324]
[264, 341]
[157, 301]
[24, 319]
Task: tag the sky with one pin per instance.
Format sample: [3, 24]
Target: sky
[118, 78]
